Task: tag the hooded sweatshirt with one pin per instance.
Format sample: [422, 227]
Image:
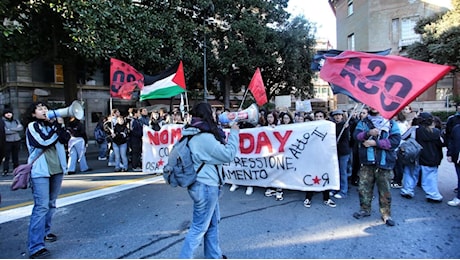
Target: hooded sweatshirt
[206, 148]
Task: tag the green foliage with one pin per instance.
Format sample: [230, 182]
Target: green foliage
[443, 115]
[152, 35]
[440, 38]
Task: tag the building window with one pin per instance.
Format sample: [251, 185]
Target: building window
[395, 31]
[408, 35]
[351, 42]
[350, 7]
[58, 73]
[444, 87]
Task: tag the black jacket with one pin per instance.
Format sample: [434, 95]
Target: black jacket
[431, 154]
[343, 145]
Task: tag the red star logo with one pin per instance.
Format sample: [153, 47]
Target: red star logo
[160, 162]
[316, 180]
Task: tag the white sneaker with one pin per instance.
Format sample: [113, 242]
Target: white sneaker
[249, 190]
[279, 195]
[454, 202]
[338, 196]
[270, 192]
[102, 158]
[233, 187]
[329, 203]
[307, 203]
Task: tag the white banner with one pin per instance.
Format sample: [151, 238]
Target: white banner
[300, 156]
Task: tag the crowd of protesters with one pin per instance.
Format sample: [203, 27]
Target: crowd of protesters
[123, 147]
[367, 153]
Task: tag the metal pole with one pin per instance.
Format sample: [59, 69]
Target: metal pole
[205, 83]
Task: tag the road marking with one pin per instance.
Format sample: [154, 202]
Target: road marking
[75, 197]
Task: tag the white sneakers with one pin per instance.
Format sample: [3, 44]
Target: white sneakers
[338, 196]
[233, 187]
[454, 202]
[269, 192]
[249, 189]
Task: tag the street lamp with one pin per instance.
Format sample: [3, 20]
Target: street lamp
[209, 11]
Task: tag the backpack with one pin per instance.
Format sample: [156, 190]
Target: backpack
[409, 152]
[99, 134]
[179, 170]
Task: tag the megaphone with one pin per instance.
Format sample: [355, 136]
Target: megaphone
[250, 115]
[75, 110]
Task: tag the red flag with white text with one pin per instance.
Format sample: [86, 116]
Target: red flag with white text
[123, 79]
[386, 83]
[257, 88]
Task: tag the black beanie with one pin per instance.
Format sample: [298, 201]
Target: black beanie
[7, 110]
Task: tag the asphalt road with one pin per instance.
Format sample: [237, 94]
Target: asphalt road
[104, 214]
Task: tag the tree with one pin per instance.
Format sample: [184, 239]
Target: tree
[82, 35]
[260, 35]
[293, 75]
[440, 38]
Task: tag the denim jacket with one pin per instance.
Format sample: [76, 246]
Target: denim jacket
[384, 154]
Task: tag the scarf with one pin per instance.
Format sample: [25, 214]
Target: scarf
[205, 127]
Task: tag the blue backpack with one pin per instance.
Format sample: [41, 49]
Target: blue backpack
[99, 135]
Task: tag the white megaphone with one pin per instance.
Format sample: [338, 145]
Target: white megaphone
[75, 110]
[250, 115]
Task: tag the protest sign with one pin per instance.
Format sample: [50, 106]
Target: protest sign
[300, 156]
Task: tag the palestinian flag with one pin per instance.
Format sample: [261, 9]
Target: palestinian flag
[168, 83]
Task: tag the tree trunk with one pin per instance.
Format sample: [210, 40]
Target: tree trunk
[226, 92]
[70, 80]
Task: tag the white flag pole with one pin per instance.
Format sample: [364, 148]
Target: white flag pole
[348, 120]
[244, 97]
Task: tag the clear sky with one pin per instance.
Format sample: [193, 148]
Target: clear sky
[318, 12]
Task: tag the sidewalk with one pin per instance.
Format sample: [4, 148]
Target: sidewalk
[100, 175]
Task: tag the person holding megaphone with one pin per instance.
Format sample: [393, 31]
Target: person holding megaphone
[45, 139]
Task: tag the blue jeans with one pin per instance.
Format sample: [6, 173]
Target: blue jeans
[102, 149]
[120, 152]
[77, 154]
[45, 191]
[206, 217]
[343, 165]
[429, 181]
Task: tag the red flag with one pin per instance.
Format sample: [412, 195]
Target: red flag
[123, 79]
[256, 86]
[386, 83]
